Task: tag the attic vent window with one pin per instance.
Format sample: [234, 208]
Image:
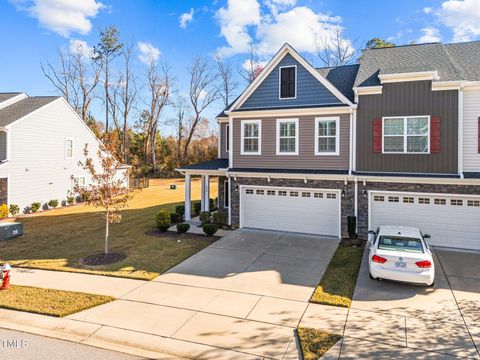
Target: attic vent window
[288, 82]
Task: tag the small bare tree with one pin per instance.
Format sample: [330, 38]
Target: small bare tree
[252, 67]
[335, 50]
[202, 93]
[107, 189]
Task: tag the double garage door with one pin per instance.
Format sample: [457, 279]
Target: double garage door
[312, 211]
[452, 221]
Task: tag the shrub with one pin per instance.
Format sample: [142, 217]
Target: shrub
[163, 220]
[209, 229]
[3, 211]
[180, 210]
[35, 207]
[70, 200]
[219, 218]
[78, 199]
[14, 209]
[197, 205]
[53, 203]
[64, 202]
[175, 218]
[183, 228]
[206, 217]
[45, 207]
[213, 205]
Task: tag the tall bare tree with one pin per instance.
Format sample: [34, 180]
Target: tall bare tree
[180, 122]
[335, 50]
[202, 93]
[227, 84]
[252, 67]
[75, 79]
[105, 52]
[159, 82]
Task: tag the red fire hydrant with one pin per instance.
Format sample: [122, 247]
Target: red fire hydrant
[6, 269]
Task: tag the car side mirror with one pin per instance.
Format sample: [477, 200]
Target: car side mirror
[426, 236]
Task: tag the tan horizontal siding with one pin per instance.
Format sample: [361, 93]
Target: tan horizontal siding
[306, 158]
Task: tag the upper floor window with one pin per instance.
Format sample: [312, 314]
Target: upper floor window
[287, 137]
[227, 138]
[327, 136]
[288, 82]
[68, 148]
[251, 133]
[409, 134]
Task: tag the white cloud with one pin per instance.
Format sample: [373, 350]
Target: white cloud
[462, 17]
[148, 52]
[62, 16]
[234, 21]
[185, 18]
[80, 47]
[427, 10]
[247, 65]
[245, 22]
[430, 35]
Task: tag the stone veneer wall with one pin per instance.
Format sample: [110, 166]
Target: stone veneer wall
[3, 191]
[221, 185]
[346, 202]
[362, 221]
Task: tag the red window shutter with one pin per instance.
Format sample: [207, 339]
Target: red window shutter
[435, 135]
[478, 135]
[377, 135]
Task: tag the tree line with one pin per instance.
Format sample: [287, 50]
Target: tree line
[134, 101]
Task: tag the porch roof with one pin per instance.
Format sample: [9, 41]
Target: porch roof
[211, 165]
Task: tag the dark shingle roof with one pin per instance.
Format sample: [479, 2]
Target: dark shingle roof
[342, 77]
[8, 95]
[19, 109]
[460, 61]
[208, 165]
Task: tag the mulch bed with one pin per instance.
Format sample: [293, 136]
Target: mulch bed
[185, 236]
[103, 259]
[353, 242]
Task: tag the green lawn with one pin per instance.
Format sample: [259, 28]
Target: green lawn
[59, 239]
[338, 282]
[49, 302]
[314, 343]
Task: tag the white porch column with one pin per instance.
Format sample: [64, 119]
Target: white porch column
[207, 192]
[188, 205]
[202, 193]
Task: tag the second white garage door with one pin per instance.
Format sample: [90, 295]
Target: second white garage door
[451, 220]
[312, 211]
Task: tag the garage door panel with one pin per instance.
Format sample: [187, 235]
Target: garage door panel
[449, 224]
[309, 214]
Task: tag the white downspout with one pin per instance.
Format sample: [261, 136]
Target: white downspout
[354, 141]
[229, 199]
[188, 205]
[230, 138]
[460, 132]
[350, 154]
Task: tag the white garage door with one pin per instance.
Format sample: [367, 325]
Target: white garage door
[312, 211]
[452, 221]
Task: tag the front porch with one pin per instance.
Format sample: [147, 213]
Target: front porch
[211, 169]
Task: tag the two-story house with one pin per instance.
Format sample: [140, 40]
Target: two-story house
[393, 139]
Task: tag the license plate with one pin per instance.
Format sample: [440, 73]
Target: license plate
[400, 264]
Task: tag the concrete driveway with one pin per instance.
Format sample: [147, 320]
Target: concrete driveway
[243, 296]
[392, 320]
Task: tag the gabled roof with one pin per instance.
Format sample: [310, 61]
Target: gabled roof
[460, 61]
[8, 95]
[287, 49]
[21, 108]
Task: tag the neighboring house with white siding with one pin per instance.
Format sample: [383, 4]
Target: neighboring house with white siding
[42, 140]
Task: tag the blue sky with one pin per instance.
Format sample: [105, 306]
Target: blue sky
[34, 29]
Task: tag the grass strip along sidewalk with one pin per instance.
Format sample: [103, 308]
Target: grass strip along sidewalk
[51, 302]
[338, 282]
[314, 343]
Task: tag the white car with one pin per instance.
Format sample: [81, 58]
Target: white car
[400, 253]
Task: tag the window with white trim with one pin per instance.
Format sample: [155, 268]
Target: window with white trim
[318, 195]
[271, 192]
[227, 138]
[327, 136]
[260, 192]
[409, 134]
[294, 193]
[251, 132]
[249, 191]
[68, 148]
[288, 82]
[282, 193]
[287, 136]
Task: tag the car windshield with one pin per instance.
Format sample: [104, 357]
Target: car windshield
[399, 243]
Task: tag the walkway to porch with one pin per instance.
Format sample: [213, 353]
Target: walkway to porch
[196, 228]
